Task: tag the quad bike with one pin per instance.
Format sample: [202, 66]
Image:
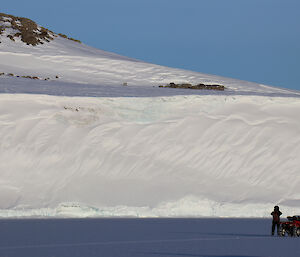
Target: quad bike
[290, 227]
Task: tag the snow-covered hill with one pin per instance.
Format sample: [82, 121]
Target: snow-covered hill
[94, 135]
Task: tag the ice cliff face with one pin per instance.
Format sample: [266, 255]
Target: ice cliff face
[109, 141]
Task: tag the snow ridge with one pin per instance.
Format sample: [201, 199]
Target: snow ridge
[161, 156]
[94, 135]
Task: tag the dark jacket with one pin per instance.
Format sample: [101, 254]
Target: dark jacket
[276, 216]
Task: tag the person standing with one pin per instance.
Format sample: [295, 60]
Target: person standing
[276, 219]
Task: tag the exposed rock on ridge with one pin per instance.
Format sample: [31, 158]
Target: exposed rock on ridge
[27, 30]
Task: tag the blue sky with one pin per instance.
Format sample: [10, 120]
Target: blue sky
[254, 40]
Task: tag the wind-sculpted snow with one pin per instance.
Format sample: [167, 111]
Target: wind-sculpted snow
[84, 132]
[159, 156]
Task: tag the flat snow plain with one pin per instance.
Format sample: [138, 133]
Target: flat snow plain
[143, 238]
[84, 145]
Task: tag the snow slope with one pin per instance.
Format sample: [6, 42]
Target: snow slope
[83, 144]
[77, 63]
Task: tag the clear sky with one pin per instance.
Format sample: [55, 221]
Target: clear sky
[254, 40]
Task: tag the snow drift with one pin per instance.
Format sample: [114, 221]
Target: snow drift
[182, 155]
[139, 150]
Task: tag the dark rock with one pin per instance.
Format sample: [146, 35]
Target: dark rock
[198, 86]
[28, 31]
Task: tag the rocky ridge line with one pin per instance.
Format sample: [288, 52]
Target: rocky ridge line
[27, 30]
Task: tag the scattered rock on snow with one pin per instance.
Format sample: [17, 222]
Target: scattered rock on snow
[198, 86]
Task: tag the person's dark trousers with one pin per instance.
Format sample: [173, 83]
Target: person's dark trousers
[273, 227]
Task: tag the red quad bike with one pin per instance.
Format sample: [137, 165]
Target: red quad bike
[290, 227]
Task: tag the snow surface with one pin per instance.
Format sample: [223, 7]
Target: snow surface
[143, 238]
[77, 63]
[85, 145]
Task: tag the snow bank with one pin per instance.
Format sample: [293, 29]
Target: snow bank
[158, 156]
[188, 207]
[139, 150]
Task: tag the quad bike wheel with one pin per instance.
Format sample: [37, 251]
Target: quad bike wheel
[282, 232]
[297, 232]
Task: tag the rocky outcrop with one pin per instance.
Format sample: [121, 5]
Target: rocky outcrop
[198, 86]
[27, 30]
